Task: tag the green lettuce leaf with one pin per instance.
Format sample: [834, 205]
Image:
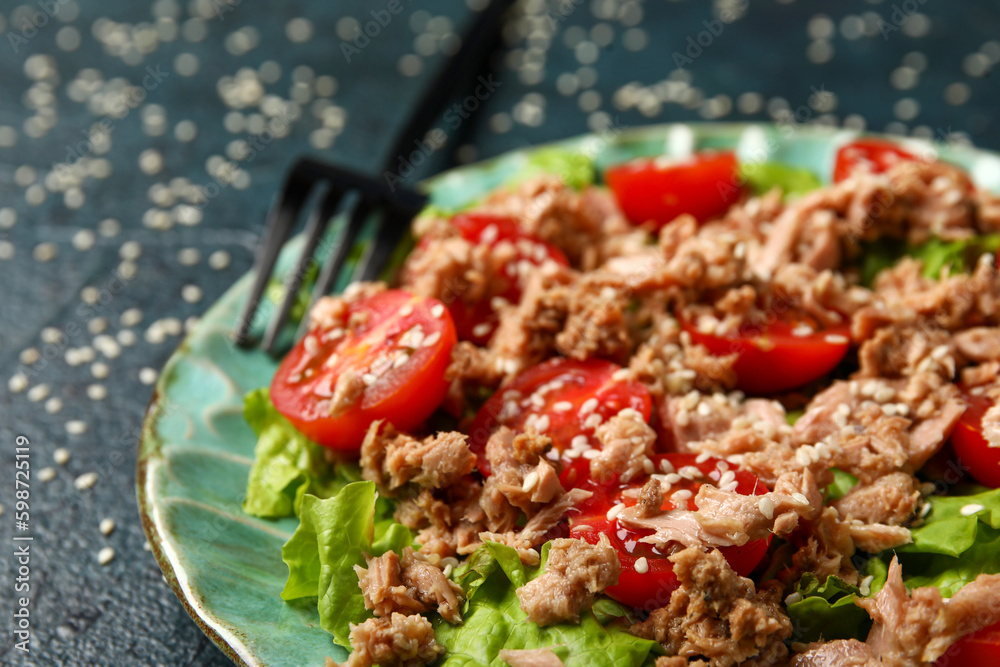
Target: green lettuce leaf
[333, 534]
[287, 465]
[827, 609]
[935, 254]
[945, 530]
[959, 255]
[841, 484]
[765, 176]
[575, 169]
[950, 549]
[493, 620]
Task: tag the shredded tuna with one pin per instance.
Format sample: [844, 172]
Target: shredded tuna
[890, 499]
[333, 312]
[574, 573]
[877, 537]
[912, 629]
[979, 344]
[725, 518]
[538, 657]
[718, 615]
[445, 527]
[627, 442]
[392, 459]
[393, 641]
[410, 586]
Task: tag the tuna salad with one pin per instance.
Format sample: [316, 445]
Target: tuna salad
[682, 412]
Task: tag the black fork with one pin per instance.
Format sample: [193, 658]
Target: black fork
[393, 204]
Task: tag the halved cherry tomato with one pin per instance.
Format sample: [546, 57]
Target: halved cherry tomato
[563, 398]
[874, 156]
[973, 450]
[777, 358]
[705, 186]
[476, 321]
[651, 589]
[398, 355]
[979, 648]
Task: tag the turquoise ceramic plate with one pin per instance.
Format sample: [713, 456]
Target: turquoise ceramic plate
[196, 450]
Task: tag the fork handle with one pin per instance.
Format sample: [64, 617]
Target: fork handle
[469, 61]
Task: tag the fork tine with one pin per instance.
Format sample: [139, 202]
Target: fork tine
[319, 220]
[391, 227]
[335, 262]
[280, 221]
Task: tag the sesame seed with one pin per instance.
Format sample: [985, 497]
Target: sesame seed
[105, 555]
[727, 478]
[803, 330]
[591, 454]
[432, 339]
[588, 406]
[836, 339]
[97, 392]
[61, 456]
[17, 383]
[85, 481]
[530, 481]
[76, 427]
[38, 393]
[701, 458]
[971, 508]
[593, 421]
[666, 466]
[543, 423]
[219, 260]
[53, 405]
[191, 293]
[100, 370]
[689, 472]
[884, 394]
[369, 379]
[406, 310]
[648, 467]
[481, 329]
[642, 565]
[562, 406]
[766, 507]
[47, 474]
[615, 511]
[682, 494]
[437, 310]
[147, 375]
[672, 478]
[793, 598]
[800, 498]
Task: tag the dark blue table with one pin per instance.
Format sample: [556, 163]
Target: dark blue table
[117, 119]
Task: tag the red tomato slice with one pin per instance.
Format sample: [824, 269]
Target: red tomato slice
[973, 450]
[979, 648]
[562, 398]
[870, 155]
[651, 589]
[704, 186]
[477, 321]
[777, 359]
[400, 353]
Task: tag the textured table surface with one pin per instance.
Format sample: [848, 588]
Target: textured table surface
[117, 119]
